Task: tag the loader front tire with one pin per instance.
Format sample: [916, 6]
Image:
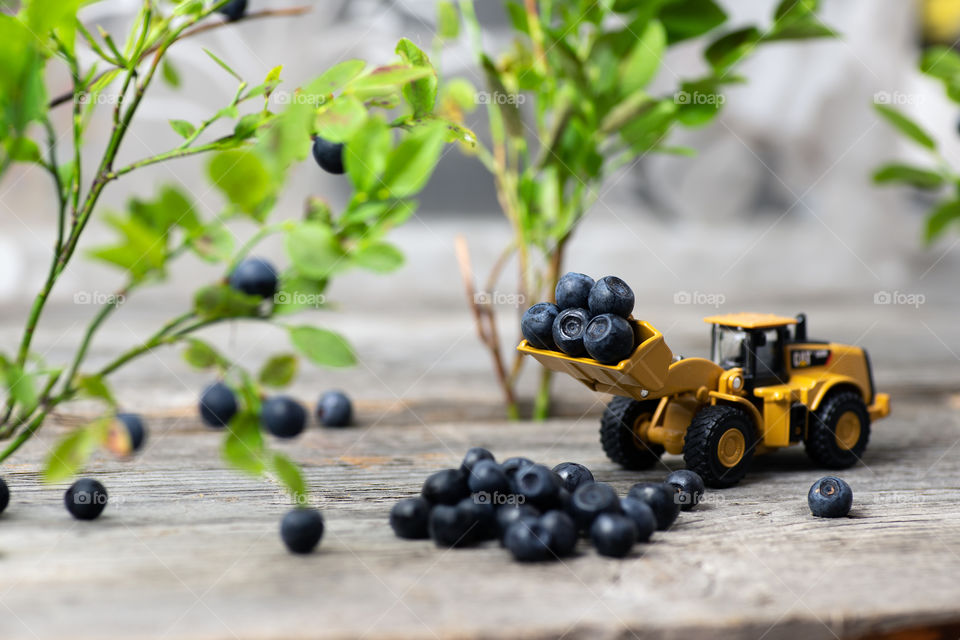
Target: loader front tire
[719, 445]
[838, 431]
[619, 433]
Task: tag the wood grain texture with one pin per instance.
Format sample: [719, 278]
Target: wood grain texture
[188, 549]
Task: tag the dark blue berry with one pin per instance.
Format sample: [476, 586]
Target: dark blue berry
[528, 542]
[135, 429]
[689, 486]
[86, 499]
[255, 277]
[489, 478]
[538, 485]
[830, 497]
[446, 487]
[218, 405]
[483, 519]
[473, 456]
[611, 295]
[662, 498]
[451, 526]
[4, 495]
[335, 409]
[234, 10]
[283, 416]
[511, 466]
[573, 290]
[608, 339]
[642, 516]
[568, 330]
[613, 535]
[511, 513]
[537, 325]
[301, 530]
[561, 532]
[409, 518]
[592, 499]
[572, 475]
[329, 155]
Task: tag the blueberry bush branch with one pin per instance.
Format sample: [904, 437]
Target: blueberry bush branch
[380, 121]
[569, 103]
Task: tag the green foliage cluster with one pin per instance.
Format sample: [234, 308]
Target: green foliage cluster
[393, 140]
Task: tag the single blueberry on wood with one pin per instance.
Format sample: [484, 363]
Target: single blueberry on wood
[301, 530]
[234, 10]
[830, 497]
[135, 428]
[590, 500]
[329, 155]
[661, 497]
[689, 486]
[538, 485]
[409, 518]
[448, 487]
[572, 475]
[573, 290]
[473, 456]
[489, 478]
[611, 295]
[528, 542]
[283, 416]
[561, 532]
[537, 325]
[335, 409]
[608, 339]
[86, 499]
[511, 466]
[642, 516]
[613, 535]
[451, 526]
[511, 513]
[218, 405]
[255, 277]
[568, 330]
[482, 516]
[4, 495]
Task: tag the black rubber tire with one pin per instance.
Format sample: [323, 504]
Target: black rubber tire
[618, 439]
[703, 437]
[821, 441]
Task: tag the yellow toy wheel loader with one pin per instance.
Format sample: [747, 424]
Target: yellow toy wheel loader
[766, 386]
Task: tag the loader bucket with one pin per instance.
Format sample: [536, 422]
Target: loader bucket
[645, 370]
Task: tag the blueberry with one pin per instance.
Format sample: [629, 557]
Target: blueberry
[409, 518]
[561, 532]
[473, 456]
[135, 428]
[255, 277]
[446, 487]
[450, 526]
[483, 519]
[537, 325]
[613, 535]
[4, 495]
[538, 485]
[329, 155]
[488, 477]
[218, 405]
[592, 499]
[572, 475]
[301, 530]
[608, 339]
[573, 290]
[528, 542]
[642, 515]
[283, 416]
[511, 513]
[661, 497]
[611, 295]
[830, 497]
[568, 330]
[689, 487]
[234, 10]
[334, 409]
[511, 466]
[86, 499]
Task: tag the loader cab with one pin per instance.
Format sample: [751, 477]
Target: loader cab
[754, 342]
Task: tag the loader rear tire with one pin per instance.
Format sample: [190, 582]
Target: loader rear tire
[838, 431]
[719, 445]
[618, 433]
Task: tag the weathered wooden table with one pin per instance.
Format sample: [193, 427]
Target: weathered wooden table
[189, 549]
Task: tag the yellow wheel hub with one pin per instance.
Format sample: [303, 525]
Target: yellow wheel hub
[731, 448]
[848, 430]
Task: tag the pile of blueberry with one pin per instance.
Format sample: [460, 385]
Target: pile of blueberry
[539, 513]
[589, 319]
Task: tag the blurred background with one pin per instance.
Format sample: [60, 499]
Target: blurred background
[776, 212]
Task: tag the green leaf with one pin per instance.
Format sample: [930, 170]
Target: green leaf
[508, 108]
[22, 149]
[242, 177]
[202, 355]
[943, 63]
[53, 16]
[20, 385]
[386, 80]
[322, 347]
[279, 371]
[223, 65]
[366, 153]
[804, 30]
[940, 218]
[518, 17]
[906, 126]
[691, 18]
[448, 20]
[728, 49]
[422, 93]
[790, 10]
[642, 63]
[213, 243]
[314, 250]
[72, 452]
[243, 448]
[906, 174]
[94, 386]
[220, 301]
[143, 249]
[379, 257]
[337, 77]
[412, 163]
[183, 128]
[170, 75]
[289, 474]
[339, 120]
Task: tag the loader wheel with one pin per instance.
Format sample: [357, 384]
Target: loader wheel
[619, 433]
[838, 431]
[719, 445]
